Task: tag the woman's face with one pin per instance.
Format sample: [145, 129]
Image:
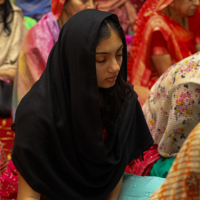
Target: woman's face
[73, 6]
[109, 56]
[2, 2]
[186, 7]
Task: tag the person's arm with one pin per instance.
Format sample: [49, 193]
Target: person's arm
[25, 192]
[160, 56]
[197, 47]
[161, 63]
[114, 195]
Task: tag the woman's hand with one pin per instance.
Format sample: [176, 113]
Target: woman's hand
[7, 74]
[25, 192]
[114, 195]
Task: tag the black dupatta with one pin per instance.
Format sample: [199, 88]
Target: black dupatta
[59, 148]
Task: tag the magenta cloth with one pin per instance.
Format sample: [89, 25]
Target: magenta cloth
[143, 167]
[9, 182]
[129, 39]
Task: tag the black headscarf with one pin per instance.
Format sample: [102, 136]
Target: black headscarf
[59, 148]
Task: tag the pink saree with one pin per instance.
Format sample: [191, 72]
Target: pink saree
[9, 183]
[33, 57]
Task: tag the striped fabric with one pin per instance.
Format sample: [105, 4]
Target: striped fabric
[183, 180]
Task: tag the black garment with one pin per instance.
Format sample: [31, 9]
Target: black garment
[59, 148]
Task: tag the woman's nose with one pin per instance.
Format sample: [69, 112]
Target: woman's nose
[114, 67]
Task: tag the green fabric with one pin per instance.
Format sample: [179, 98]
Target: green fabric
[139, 187]
[13, 1]
[29, 22]
[162, 167]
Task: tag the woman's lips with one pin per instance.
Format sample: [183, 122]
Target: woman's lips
[112, 79]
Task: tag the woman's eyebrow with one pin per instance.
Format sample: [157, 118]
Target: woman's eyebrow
[120, 47]
[108, 53]
[101, 53]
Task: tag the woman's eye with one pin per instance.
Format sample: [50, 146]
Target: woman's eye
[100, 61]
[119, 56]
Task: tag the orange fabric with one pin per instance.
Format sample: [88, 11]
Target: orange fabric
[180, 42]
[57, 7]
[183, 180]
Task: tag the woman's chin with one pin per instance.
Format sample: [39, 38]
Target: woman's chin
[107, 86]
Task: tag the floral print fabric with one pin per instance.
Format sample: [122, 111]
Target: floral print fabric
[173, 107]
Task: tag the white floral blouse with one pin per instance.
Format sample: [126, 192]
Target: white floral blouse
[173, 107]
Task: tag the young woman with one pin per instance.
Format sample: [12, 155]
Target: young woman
[80, 124]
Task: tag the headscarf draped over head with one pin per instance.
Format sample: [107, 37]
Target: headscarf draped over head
[172, 109]
[59, 147]
[57, 7]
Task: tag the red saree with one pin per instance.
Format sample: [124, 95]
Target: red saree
[180, 42]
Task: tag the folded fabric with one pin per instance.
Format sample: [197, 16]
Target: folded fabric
[162, 167]
[139, 187]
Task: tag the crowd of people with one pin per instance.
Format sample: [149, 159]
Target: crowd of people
[99, 100]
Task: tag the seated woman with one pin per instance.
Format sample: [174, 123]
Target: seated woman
[166, 31]
[125, 10]
[38, 43]
[183, 180]
[171, 111]
[12, 31]
[80, 124]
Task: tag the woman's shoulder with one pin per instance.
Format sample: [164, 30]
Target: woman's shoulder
[41, 33]
[16, 9]
[41, 28]
[158, 22]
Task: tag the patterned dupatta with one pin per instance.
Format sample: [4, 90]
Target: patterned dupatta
[172, 109]
[148, 20]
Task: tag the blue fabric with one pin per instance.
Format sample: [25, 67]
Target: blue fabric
[34, 7]
[139, 187]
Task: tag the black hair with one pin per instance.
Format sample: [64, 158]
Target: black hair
[6, 16]
[112, 99]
